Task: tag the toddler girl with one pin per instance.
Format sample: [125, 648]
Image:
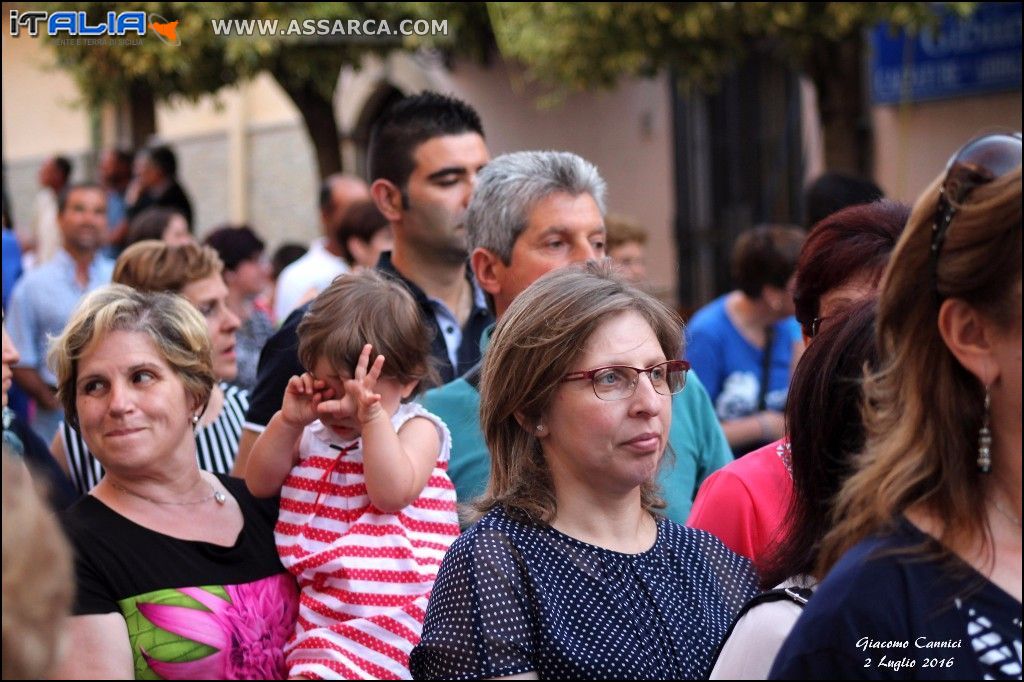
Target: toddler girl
[367, 508]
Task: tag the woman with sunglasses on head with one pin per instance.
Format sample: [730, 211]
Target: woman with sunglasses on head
[570, 571]
[924, 564]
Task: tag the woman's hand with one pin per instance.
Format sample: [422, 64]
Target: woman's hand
[362, 387]
[301, 398]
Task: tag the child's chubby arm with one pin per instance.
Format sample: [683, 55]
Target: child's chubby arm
[276, 450]
[396, 466]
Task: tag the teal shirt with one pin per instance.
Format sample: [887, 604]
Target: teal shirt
[696, 439]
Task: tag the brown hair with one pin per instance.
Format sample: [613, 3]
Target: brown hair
[922, 408]
[622, 230]
[363, 220]
[173, 325]
[156, 266]
[536, 342]
[765, 256]
[38, 582]
[361, 308]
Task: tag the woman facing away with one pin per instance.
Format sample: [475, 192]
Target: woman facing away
[175, 568]
[195, 272]
[924, 564]
[824, 400]
[570, 571]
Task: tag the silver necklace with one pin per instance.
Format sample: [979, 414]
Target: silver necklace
[215, 494]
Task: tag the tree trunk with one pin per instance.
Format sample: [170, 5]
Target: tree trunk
[838, 73]
[141, 114]
[318, 115]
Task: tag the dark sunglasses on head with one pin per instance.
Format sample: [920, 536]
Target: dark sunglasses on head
[978, 162]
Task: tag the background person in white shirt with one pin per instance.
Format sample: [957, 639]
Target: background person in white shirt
[309, 275]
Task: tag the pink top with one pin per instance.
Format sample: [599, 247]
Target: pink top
[744, 503]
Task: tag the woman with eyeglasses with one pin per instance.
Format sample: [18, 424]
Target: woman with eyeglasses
[924, 564]
[570, 571]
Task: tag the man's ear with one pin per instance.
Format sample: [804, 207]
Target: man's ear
[388, 198]
[967, 334]
[487, 267]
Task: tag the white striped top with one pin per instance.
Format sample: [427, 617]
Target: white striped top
[365, 575]
[216, 443]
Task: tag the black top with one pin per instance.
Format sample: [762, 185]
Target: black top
[279, 360]
[182, 599]
[513, 597]
[880, 615]
[26, 443]
[173, 197]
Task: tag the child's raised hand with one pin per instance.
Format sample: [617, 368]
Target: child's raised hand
[301, 397]
[362, 387]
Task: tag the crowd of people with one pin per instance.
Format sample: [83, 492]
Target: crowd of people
[458, 437]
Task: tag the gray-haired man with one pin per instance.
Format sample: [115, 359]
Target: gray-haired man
[531, 213]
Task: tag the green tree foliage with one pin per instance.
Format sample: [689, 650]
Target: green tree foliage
[580, 46]
[305, 66]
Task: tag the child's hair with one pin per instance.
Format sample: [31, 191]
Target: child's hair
[368, 307]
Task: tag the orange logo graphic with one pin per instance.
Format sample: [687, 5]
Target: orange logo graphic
[167, 31]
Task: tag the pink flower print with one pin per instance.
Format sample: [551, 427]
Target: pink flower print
[249, 630]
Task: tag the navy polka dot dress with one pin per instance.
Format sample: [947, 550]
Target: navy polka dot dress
[513, 597]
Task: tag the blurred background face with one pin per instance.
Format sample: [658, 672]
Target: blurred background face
[210, 296]
[146, 172]
[366, 254]
[49, 174]
[631, 258]
[83, 222]
[176, 233]
[250, 278]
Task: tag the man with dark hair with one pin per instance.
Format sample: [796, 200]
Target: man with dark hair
[424, 156]
[364, 234]
[834, 191]
[115, 174]
[324, 260]
[156, 183]
[42, 238]
[44, 298]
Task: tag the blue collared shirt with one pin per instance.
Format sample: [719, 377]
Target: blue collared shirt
[43, 301]
[449, 325]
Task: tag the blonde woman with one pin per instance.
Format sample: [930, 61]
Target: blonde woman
[572, 572]
[925, 560]
[194, 272]
[176, 574]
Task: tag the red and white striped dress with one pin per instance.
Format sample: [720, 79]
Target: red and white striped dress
[364, 575]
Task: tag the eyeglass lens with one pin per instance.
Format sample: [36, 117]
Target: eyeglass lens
[616, 383]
